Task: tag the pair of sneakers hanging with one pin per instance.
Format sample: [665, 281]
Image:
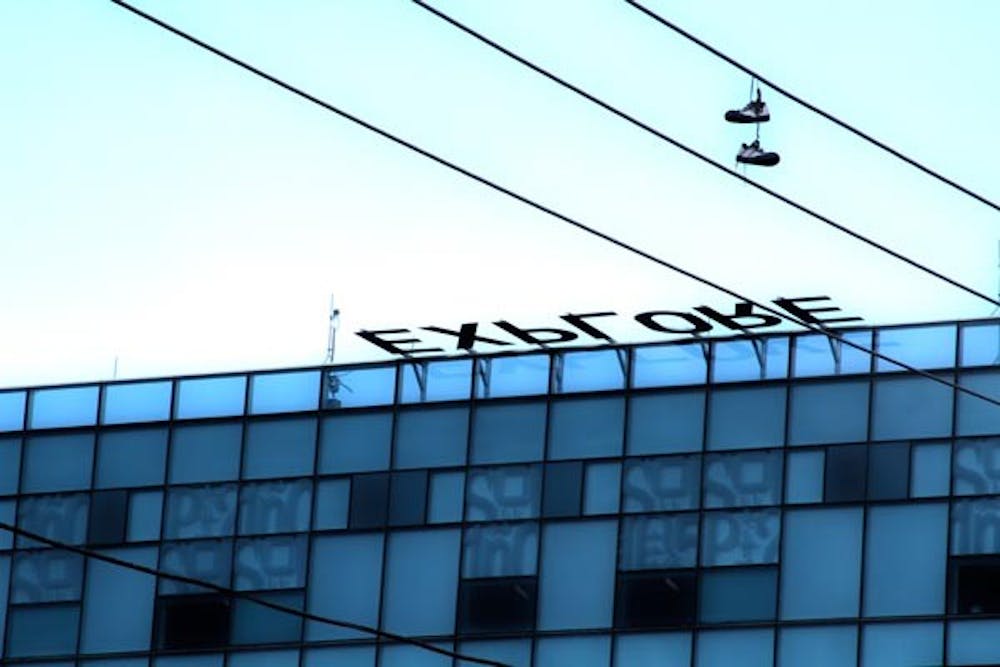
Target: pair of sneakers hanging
[755, 112]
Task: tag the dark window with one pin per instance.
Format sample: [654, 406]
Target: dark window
[976, 585]
[108, 511]
[655, 599]
[846, 473]
[497, 605]
[563, 489]
[408, 498]
[369, 500]
[193, 621]
[888, 471]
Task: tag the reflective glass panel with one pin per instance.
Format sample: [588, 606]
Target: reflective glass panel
[750, 359]
[821, 563]
[12, 410]
[355, 443]
[661, 483]
[275, 507]
[977, 466]
[739, 594]
[905, 560]
[500, 550]
[48, 630]
[920, 347]
[746, 417]
[817, 354]
[132, 457]
[421, 579]
[280, 448]
[658, 542]
[431, 437]
[136, 402]
[284, 392]
[205, 453]
[503, 493]
[345, 582]
[145, 510]
[667, 649]
[70, 406]
[974, 526]
[602, 488]
[200, 511]
[910, 407]
[521, 375]
[828, 412]
[666, 423]
[577, 582]
[588, 651]
[204, 560]
[359, 387]
[593, 370]
[976, 416]
[425, 381]
[118, 606]
[902, 644]
[46, 576]
[447, 489]
[10, 465]
[746, 537]
[585, 428]
[510, 432]
[716, 648]
[830, 646]
[270, 563]
[210, 397]
[929, 468]
[804, 476]
[973, 643]
[743, 479]
[58, 462]
[62, 517]
[981, 344]
[332, 501]
[669, 365]
[254, 624]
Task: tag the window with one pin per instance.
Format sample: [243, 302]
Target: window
[193, 622]
[746, 417]
[666, 423]
[497, 605]
[656, 599]
[846, 473]
[562, 489]
[369, 500]
[408, 498]
[976, 585]
[739, 594]
[108, 512]
[508, 433]
[586, 428]
[280, 448]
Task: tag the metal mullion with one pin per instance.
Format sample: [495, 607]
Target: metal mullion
[314, 505]
[386, 533]
[782, 496]
[873, 379]
[95, 444]
[949, 577]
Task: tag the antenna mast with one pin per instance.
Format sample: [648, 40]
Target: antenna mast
[331, 341]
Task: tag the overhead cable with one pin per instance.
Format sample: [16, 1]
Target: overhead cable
[707, 160]
[243, 595]
[815, 109]
[552, 212]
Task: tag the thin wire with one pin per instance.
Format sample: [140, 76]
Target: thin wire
[704, 158]
[243, 595]
[549, 211]
[815, 109]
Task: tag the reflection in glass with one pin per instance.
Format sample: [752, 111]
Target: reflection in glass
[359, 387]
[136, 402]
[424, 381]
[920, 347]
[669, 365]
[659, 541]
[594, 370]
[750, 359]
[818, 354]
[70, 406]
[210, 397]
[284, 392]
[521, 375]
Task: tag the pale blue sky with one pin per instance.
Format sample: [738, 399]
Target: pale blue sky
[160, 205]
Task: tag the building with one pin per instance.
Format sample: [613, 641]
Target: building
[749, 501]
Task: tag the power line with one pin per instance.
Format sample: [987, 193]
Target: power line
[549, 211]
[815, 109]
[704, 158]
[244, 595]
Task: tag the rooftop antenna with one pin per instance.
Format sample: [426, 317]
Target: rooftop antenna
[331, 341]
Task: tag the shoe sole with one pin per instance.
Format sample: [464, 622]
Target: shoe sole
[737, 117]
[765, 160]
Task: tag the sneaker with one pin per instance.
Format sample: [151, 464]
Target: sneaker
[752, 154]
[754, 112]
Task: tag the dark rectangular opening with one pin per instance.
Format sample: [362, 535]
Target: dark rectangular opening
[562, 492]
[369, 501]
[193, 621]
[408, 498]
[976, 585]
[497, 605]
[108, 512]
[846, 473]
[656, 599]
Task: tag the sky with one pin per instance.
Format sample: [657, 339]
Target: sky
[163, 212]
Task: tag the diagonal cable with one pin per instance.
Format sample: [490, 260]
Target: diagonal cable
[242, 595]
[707, 160]
[815, 109]
[833, 335]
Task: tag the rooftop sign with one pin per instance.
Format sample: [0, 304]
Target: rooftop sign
[699, 321]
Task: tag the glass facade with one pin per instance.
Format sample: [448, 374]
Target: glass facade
[781, 500]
